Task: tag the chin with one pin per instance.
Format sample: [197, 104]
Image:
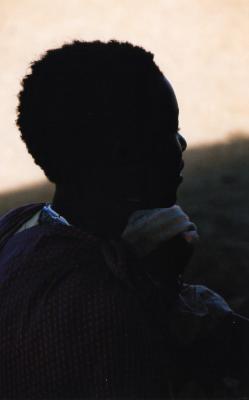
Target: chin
[162, 202]
[170, 202]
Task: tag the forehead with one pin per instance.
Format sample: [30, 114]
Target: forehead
[170, 94]
[164, 111]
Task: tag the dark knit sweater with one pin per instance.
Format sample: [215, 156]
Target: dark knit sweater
[78, 321]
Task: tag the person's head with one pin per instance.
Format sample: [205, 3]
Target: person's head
[107, 108]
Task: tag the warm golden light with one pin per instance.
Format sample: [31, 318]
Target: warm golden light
[201, 46]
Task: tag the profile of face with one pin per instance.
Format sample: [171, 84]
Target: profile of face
[162, 172]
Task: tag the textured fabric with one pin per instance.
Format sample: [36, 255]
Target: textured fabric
[45, 215]
[70, 327]
[80, 319]
[34, 220]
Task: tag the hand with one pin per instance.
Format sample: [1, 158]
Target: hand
[163, 240]
[147, 229]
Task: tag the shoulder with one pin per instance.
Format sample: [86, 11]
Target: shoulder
[77, 322]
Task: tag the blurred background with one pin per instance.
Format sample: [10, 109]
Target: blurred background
[202, 48]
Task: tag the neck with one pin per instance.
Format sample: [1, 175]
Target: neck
[91, 211]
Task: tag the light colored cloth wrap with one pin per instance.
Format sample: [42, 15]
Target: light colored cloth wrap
[146, 229]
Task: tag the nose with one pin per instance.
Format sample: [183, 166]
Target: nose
[182, 142]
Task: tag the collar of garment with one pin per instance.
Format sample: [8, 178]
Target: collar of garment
[44, 216]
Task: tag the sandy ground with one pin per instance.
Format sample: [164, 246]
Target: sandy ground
[200, 45]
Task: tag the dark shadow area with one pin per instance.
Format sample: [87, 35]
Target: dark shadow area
[215, 193]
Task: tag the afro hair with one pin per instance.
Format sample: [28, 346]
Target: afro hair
[90, 104]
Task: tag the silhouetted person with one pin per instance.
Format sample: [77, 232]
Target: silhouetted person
[91, 299]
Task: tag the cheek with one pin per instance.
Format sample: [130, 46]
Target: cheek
[170, 165]
[159, 182]
[168, 154]
[174, 156]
